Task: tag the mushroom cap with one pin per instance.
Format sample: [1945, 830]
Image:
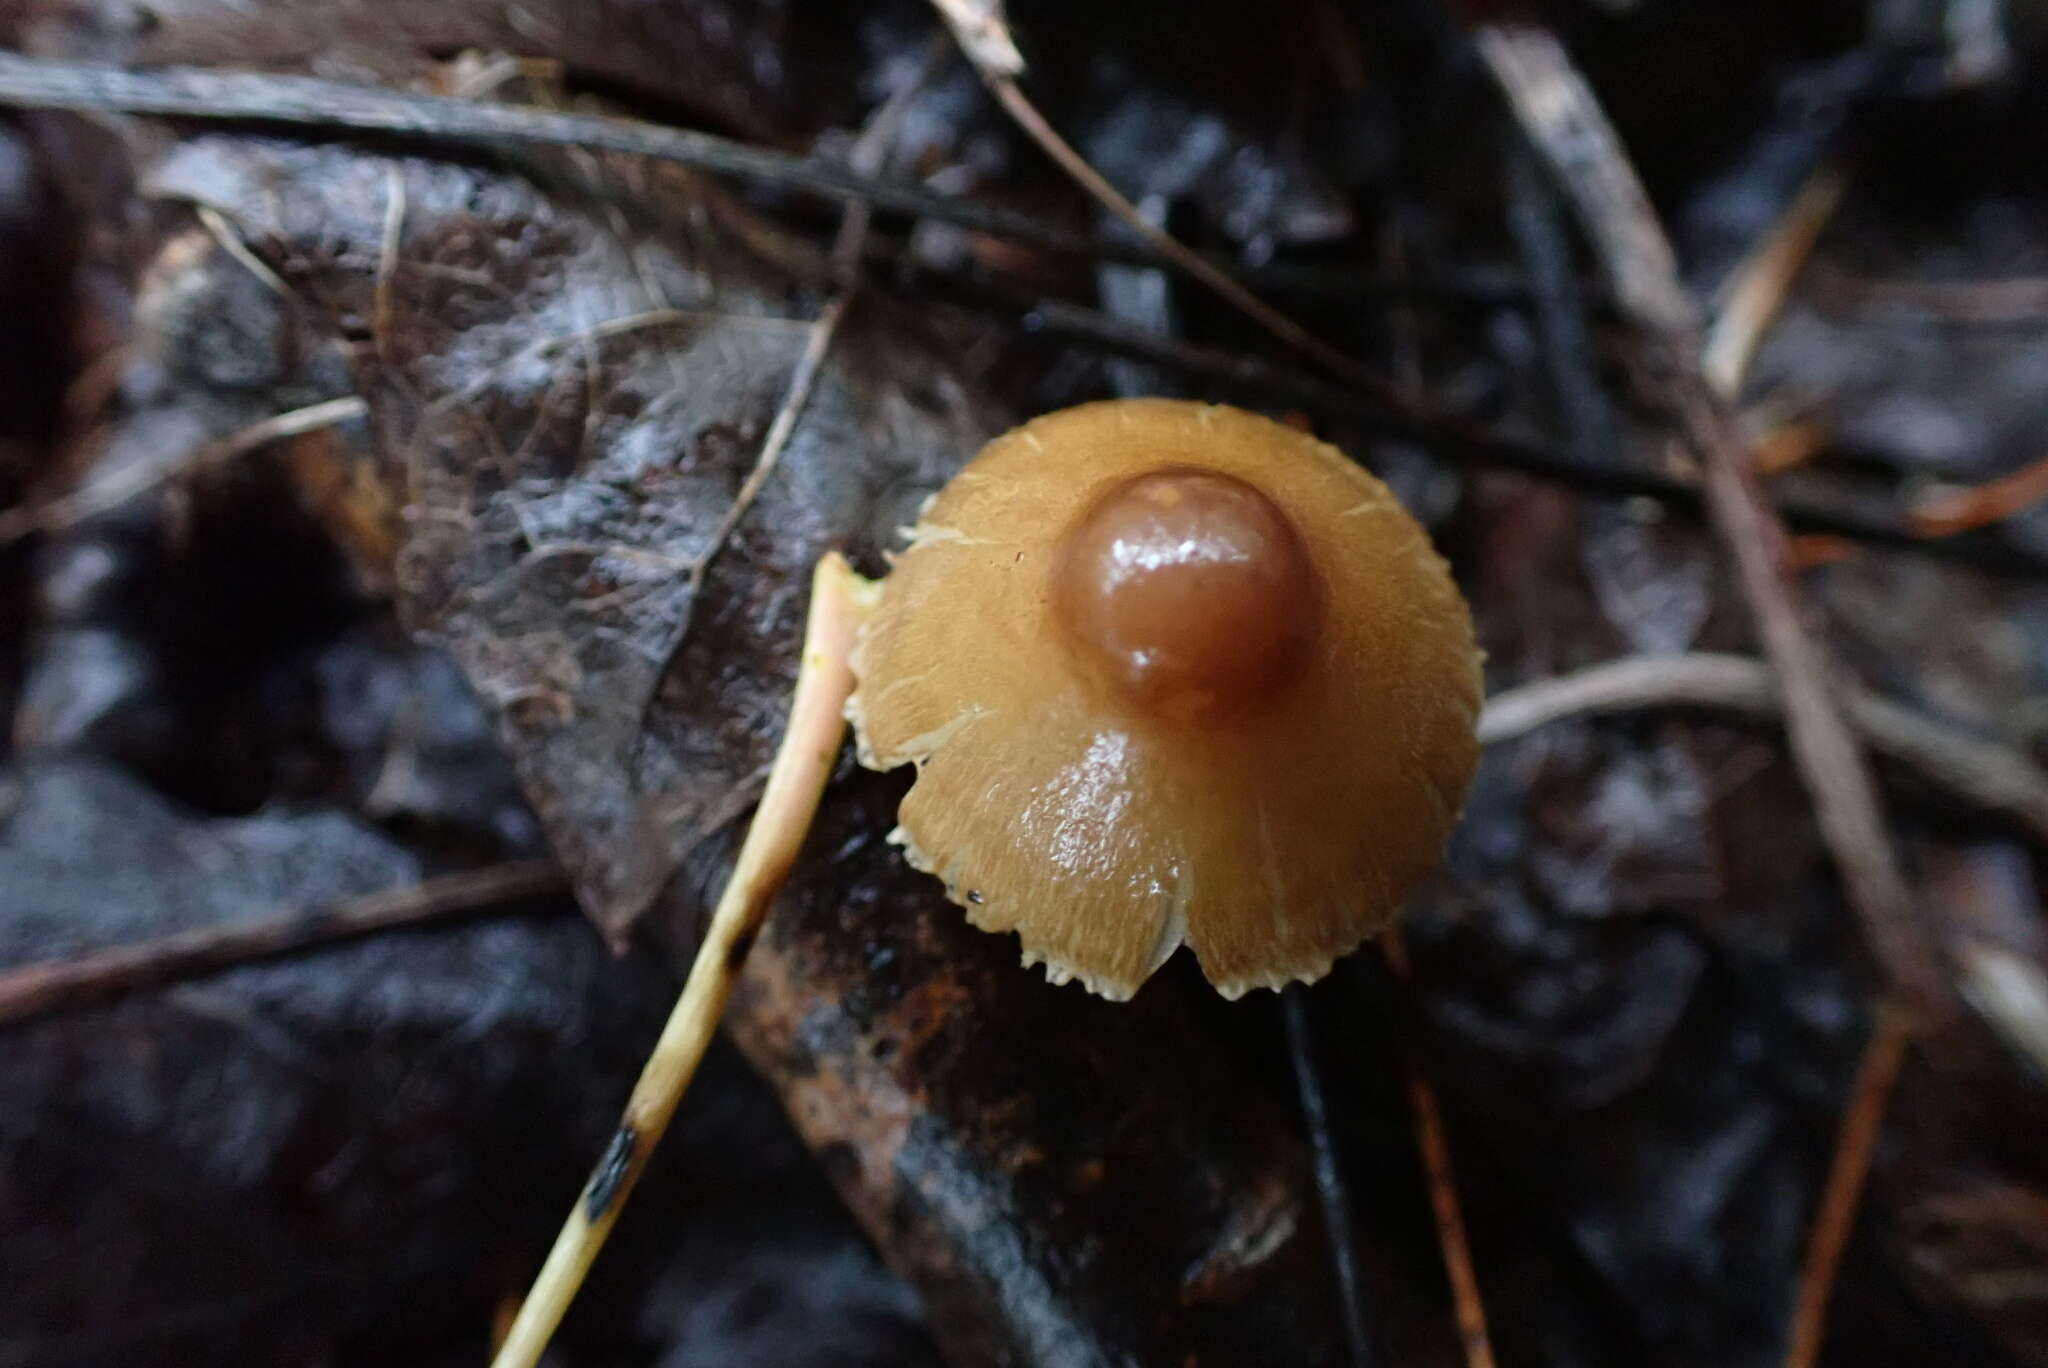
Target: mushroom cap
[1256, 754]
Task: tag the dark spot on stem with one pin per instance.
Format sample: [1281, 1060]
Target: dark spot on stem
[737, 956]
[610, 1174]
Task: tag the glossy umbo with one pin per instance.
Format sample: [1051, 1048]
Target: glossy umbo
[1188, 592]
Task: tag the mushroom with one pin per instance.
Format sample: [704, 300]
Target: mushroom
[1171, 673]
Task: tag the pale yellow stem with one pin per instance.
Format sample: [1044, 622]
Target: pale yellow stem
[796, 781]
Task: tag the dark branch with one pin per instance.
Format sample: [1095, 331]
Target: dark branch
[1452, 435]
[307, 102]
[34, 989]
[310, 103]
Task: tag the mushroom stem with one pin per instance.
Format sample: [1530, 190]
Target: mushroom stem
[796, 782]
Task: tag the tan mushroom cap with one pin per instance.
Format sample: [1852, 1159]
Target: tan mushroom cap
[1256, 750]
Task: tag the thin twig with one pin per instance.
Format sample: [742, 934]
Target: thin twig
[2009, 990]
[1333, 1192]
[1958, 510]
[387, 259]
[1442, 433]
[140, 477]
[1565, 120]
[1196, 266]
[868, 151]
[1468, 286]
[801, 381]
[1996, 303]
[1875, 1075]
[1567, 124]
[871, 149]
[1989, 776]
[1837, 773]
[1787, 444]
[1756, 289]
[223, 232]
[1430, 1139]
[983, 32]
[309, 102]
[36, 989]
[1172, 248]
[866, 158]
[316, 104]
[985, 39]
[1452, 436]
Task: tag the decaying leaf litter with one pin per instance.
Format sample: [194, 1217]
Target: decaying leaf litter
[1638, 990]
